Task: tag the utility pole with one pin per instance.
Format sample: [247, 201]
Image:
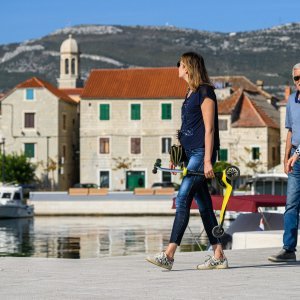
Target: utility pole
[47, 177]
[3, 160]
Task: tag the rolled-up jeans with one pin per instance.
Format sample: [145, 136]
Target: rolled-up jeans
[194, 187]
[291, 214]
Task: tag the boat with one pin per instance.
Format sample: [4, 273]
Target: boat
[12, 203]
[268, 183]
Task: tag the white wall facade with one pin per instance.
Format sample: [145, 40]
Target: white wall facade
[119, 129]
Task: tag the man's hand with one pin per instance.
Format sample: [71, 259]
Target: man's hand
[290, 163]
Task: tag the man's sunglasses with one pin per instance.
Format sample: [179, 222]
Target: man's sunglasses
[296, 78]
[178, 64]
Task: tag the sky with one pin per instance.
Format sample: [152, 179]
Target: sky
[29, 19]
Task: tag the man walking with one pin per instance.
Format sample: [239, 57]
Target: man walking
[292, 169]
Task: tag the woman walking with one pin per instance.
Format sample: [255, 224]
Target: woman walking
[199, 135]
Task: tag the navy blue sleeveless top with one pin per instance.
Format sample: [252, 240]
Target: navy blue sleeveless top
[192, 132]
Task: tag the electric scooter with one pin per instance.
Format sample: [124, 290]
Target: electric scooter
[223, 178]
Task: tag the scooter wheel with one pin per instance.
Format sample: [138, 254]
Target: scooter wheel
[218, 231]
[158, 162]
[232, 172]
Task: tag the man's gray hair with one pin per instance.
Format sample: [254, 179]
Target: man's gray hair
[296, 66]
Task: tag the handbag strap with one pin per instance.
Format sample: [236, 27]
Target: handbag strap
[176, 154]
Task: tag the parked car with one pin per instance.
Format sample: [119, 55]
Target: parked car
[86, 185]
[166, 184]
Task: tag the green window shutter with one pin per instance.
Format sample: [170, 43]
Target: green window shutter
[223, 155]
[255, 153]
[135, 111]
[166, 111]
[29, 150]
[104, 112]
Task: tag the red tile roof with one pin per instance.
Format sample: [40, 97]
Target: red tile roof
[249, 109]
[227, 106]
[150, 83]
[248, 116]
[266, 117]
[35, 82]
[235, 82]
[146, 83]
[72, 91]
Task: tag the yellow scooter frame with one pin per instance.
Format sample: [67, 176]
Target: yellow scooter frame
[223, 178]
[218, 231]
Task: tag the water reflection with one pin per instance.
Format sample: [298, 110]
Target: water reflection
[15, 237]
[91, 237]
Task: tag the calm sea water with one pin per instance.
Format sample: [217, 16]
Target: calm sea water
[92, 237]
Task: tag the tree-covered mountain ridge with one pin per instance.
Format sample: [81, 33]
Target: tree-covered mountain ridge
[266, 54]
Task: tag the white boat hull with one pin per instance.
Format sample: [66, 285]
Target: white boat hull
[16, 211]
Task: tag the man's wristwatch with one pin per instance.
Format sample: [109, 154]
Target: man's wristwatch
[297, 151]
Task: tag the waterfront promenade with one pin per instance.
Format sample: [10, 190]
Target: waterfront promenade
[250, 276]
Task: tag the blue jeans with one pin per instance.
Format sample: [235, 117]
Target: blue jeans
[194, 187]
[291, 214]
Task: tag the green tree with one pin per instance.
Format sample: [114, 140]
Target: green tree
[219, 166]
[213, 184]
[16, 168]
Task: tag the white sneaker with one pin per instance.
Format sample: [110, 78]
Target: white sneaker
[161, 260]
[212, 263]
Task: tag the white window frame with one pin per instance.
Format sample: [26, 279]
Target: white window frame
[160, 110]
[255, 146]
[129, 145]
[110, 111]
[25, 95]
[35, 150]
[129, 111]
[161, 144]
[35, 120]
[110, 146]
[109, 177]
[228, 124]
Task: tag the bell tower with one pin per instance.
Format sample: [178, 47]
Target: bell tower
[69, 65]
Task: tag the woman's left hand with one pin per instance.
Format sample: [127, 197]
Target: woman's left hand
[208, 170]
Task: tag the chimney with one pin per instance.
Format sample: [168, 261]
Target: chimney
[259, 84]
[287, 92]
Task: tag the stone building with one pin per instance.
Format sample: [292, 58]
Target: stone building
[42, 121]
[128, 119]
[249, 131]
[112, 130]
